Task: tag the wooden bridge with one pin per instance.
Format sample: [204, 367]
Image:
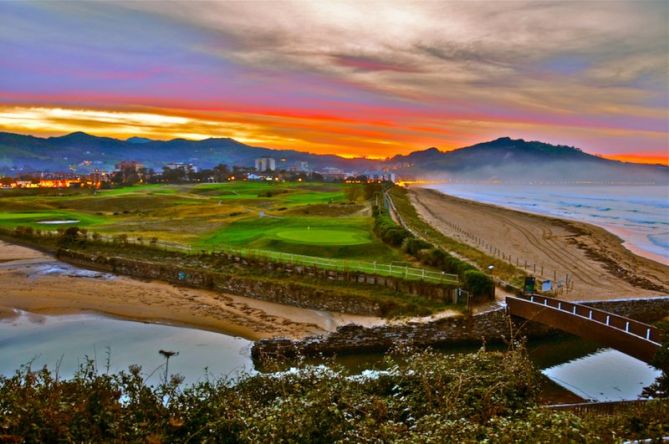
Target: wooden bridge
[631, 337]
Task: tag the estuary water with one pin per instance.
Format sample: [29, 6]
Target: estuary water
[65, 342]
[637, 214]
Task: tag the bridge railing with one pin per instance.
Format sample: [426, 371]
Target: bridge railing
[631, 326]
[606, 408]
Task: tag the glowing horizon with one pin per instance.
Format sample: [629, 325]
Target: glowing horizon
[345, 78]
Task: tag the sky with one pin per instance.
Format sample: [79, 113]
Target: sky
[360, 78]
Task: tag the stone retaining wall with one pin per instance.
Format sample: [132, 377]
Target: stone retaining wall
[434, 291]
[288, 293]
[492, 326]
[641, 309]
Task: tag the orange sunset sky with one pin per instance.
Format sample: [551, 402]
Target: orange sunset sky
[370, 79]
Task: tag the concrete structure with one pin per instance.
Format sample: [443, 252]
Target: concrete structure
[265, 164]
[186, 167]
[624, 334]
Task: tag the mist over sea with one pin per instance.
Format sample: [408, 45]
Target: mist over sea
[637, 214]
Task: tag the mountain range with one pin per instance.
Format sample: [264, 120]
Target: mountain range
[502, 159]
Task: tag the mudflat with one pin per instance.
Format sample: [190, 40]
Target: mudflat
[597, 264]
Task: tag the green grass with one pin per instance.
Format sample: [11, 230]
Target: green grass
[318, 236]
[33, 219]
[332, 237]
[314, 219]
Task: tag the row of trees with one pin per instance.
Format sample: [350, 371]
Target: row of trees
[479, 284]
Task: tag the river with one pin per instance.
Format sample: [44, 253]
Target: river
[64, 342]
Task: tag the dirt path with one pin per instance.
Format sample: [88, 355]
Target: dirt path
[594, 260]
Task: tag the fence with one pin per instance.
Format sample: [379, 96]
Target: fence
[402, 272]
[562, 281]
[388, 270]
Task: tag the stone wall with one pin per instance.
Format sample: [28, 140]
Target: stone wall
[640, 309]
[287, 292]
[492, 326]
[438, 292]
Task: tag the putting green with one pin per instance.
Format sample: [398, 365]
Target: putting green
[320, 236]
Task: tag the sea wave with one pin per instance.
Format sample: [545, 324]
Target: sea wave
[638, 214]
[661, 240]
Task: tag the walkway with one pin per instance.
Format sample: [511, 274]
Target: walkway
[624, 334]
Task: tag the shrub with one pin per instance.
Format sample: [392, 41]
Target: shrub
[478, 284]
[69, 235]
[422, 397]
[413, 246]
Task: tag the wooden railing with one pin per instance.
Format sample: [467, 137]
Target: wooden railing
[612, 320]
[605, 408]
[624, 334]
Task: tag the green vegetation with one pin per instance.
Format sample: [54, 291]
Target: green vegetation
[315, 224]
[423, 397]
[503, 269]
[478, 284]
[390, 301]
[317, 219]
[660, 388]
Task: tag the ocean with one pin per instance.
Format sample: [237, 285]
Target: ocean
[637, 214]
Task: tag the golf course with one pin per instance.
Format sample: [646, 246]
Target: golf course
[313, 219]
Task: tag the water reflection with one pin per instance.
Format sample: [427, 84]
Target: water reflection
[606, 375]
[67, 341]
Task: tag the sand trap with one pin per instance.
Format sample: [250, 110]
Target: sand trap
[58, 222]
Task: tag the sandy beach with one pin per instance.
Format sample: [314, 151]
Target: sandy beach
[37, 283]
[595, 260]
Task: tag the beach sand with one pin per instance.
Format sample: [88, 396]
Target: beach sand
[599, 266]
[37, 283]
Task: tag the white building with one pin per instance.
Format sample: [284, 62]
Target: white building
[187, 167]
[265, 164]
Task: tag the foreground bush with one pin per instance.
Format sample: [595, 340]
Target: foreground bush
[428, 398]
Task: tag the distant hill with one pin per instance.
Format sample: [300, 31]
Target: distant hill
[512, 160]
[503, 159]
[138, 140]
[83, 152]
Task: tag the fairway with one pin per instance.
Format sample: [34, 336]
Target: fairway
[324, 237]
[315, 219]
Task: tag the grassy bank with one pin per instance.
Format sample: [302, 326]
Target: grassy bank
[391, 302]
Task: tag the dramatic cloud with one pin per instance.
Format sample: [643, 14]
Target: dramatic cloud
[367, 78]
